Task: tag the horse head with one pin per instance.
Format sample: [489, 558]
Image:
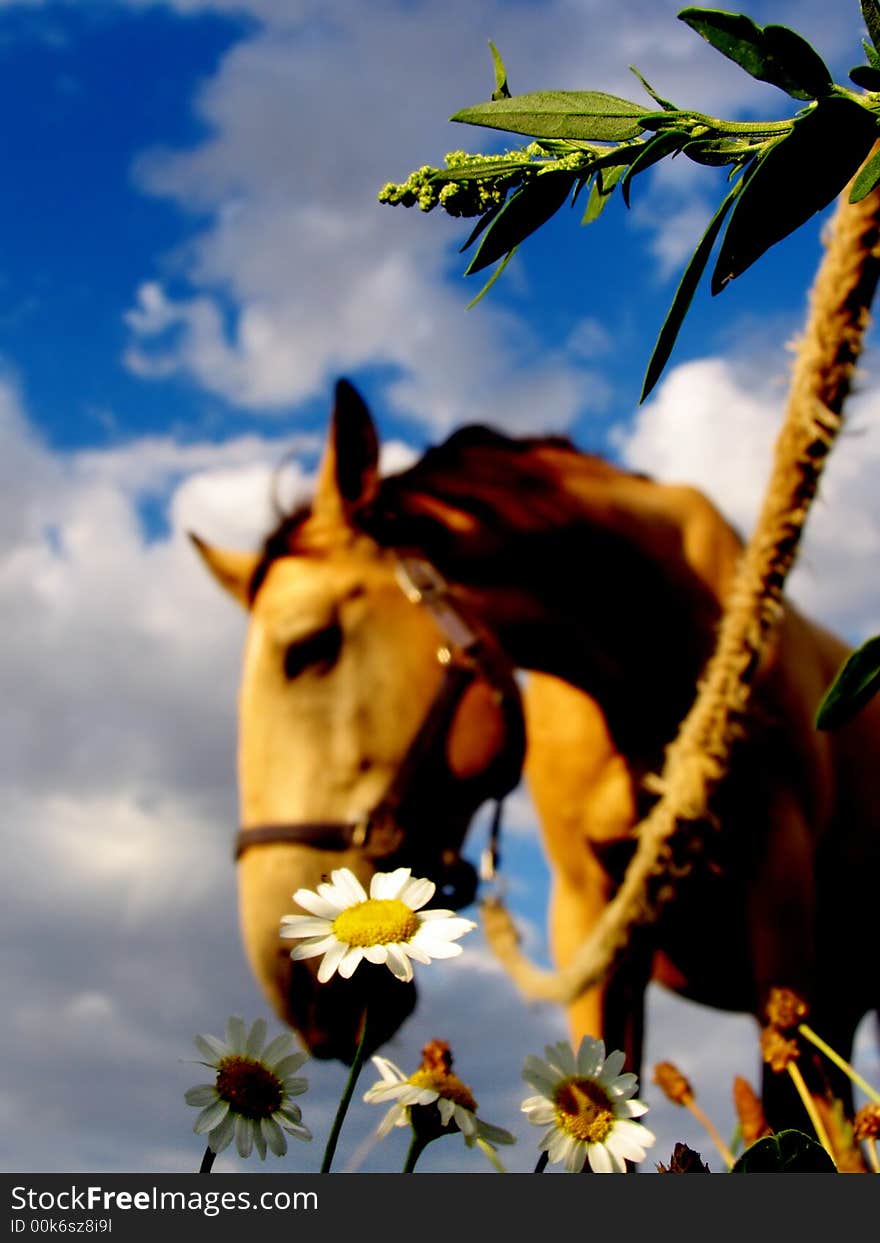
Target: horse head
[375, 718]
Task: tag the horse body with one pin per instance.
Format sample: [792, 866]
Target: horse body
[608, 587]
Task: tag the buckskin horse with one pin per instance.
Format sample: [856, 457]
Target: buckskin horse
[379, 708]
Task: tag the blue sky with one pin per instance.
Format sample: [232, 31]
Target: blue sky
[194, 252]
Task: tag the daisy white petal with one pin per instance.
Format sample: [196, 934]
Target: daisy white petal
[256, 1038]
[313, 947]
[442, 949]
[304, 926]
[398, 963]
[388, 885]
[236, 1034]
[601, 1161]
[288, 1064]
[350, 961]
[204, 1094]
[331, 960]
[221, 1136]
[374, 954]
[211, 1116]
[446, 1108]
[317, 905]
[348, 886]
[278, 1049]
[613, 1066]
[417, 892]
[252, 1095]
[244, 1136]
[211, 1048]
[397, 1115]
[584, 1098]
[274, 1136]
[389, 1072]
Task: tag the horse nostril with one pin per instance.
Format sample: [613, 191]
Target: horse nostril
[365, 764]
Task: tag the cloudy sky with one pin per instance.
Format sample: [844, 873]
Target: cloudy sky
[194, 252]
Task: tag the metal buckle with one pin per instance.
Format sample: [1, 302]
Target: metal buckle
[419, 581]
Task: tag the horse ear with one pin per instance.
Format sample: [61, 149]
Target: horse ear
[232, 570]
[349, 473]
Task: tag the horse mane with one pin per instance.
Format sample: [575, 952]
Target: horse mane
[503, 485]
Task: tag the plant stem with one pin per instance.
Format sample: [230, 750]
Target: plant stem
[835, 1057]
[872, 1155]
[207, 1161]
[416, 1148]
[726, 1155]
[810, 1106]
[346, 1098]
[541, 1165]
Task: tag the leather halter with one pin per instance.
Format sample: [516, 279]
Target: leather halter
[464, 656]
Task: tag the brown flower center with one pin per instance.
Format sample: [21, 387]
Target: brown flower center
[584, 1109]
[251, 1089]
[446, 1084]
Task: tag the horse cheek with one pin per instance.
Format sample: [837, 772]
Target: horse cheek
[477, 734]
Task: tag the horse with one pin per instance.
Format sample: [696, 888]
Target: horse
[380, 706]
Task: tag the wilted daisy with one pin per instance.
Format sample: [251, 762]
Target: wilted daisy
[251, 1099]
[387, 927]
[433, 1084]
[587, 1105]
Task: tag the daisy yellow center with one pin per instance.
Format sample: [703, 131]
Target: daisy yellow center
[378, 921]
[584, 1110]
[446, 1085]
[251, 1089]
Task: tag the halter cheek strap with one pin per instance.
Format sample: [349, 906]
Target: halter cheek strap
[464, 656]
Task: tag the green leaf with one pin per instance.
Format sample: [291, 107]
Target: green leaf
[482, 224]
[786, 1152]
[856, 683]
[481, 168]
[772, 54]
[492, 279]
[651, 153]
[684, 295]
[523, 213]
[502, 90]
[584, 115]
[867, 179]
[664, 103]
[603, 188]
[867, 76]
[715, 152]
[872, 54]
[871, 15]
[797, 176]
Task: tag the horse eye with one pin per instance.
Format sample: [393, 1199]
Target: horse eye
[319, 652]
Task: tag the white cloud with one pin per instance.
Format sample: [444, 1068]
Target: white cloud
[300, 274]
[714, 423]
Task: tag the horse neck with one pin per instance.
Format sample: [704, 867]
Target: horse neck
[620, 596]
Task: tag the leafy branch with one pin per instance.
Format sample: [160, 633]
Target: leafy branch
[588, 142]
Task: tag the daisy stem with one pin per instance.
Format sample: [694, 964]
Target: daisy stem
[346, 1098]
[810, 1106]
[726, 1155]
[809, 1034]
[872, 1155]
[416, 1148]
[541, 1163]
[207, 1161]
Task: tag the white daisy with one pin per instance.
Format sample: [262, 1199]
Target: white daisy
[251, 1099]
[588, 1106]
[432, 1084]
[387, 927]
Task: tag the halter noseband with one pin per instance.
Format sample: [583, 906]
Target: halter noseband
[464, 655]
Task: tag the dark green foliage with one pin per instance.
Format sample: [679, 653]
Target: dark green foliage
[856, 683]
[797, 176]
[787, 1152]
[589, 116]
[772, 54]
[524, 211]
